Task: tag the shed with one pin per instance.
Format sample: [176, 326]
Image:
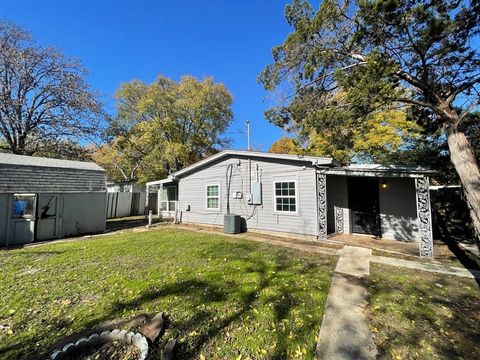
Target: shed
[43, 198]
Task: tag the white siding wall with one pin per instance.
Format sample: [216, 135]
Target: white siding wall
[398, 209]
[192, 191]
[397, 202]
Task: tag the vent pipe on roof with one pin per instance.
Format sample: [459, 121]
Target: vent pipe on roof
[247, 124]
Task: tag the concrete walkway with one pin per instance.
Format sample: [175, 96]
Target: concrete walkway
[345, 333]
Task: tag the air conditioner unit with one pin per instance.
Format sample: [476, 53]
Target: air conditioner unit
[232, 224]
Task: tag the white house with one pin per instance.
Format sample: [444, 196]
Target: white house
[307, 195]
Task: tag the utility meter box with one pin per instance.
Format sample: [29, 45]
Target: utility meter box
[256, 198]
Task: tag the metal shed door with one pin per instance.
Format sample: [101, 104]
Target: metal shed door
[22, 222]
[48, 216]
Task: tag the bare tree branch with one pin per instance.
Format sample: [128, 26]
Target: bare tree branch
[43, 94]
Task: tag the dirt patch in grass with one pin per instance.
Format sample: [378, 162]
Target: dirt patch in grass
[113, 350]
[379, 252]
[420, 315]
[130, 222]
[259, 235]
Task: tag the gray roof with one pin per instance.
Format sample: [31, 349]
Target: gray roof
[22, 160]
[328, 164]
[314, 160]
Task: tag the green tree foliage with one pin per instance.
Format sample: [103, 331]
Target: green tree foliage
[164, 126]
[382, 54]
[381, 137]
[384, 137]
[120, 159]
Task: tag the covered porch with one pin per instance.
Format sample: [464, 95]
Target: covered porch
[381, 202]
[162, 198]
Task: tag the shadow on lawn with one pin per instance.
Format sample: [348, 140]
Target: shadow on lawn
[466, 258]
[204, 322]
[429, 317]
[130, 223]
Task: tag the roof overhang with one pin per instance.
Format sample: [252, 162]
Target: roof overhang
[13, 160]
[165, 181]
[311, 160]
[375, 170]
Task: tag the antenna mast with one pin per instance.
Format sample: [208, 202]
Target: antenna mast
[247, 124]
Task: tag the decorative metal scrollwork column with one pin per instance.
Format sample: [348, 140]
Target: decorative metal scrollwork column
[338, 220]
[322, 205]
[424, 217]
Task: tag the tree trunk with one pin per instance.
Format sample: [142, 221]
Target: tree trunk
[465, 163]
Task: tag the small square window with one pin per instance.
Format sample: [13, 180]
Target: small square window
[285, 196]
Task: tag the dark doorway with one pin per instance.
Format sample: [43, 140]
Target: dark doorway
[363, 202]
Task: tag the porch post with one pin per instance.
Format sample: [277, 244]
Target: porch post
[322, 205]
[424, 217]
[338, 219]
[147, 193]
[159, 200]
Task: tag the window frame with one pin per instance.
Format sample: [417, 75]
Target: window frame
[212, 197]
[282, 179]
[34, 206]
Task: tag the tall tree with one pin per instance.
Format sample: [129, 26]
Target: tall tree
[383, 137]
[121, 160]
[421, 53]
[164, 126]
[286, 145]
[59, 149]
[43, 94]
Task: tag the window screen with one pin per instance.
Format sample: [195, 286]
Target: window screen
[213, 197]
[285, 196]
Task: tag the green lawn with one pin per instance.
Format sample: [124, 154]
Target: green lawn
[420, 315]
[224, 297]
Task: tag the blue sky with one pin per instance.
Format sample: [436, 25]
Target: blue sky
[118, 41]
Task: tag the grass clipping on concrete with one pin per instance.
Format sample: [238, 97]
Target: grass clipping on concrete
[225, 298]
[421, 315]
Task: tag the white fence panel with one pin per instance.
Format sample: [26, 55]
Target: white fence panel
[119, 204]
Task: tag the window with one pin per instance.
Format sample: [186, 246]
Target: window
[213, 197]
[23, 205]
[285, 196]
